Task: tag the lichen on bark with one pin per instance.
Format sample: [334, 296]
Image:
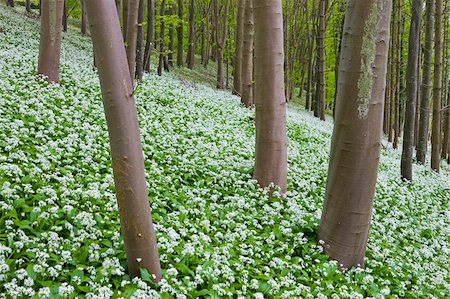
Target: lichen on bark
[368, 50]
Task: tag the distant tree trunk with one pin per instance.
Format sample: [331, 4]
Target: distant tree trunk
[118, 7]
[286, 40]
[50, 43]
[271, 140]
[411, 90]
[131, 35]
[171, 40]
[355, 146]
[239, 42]
[150, 34]
[247, 56]
[10, 3]
[125, 4]
[310, 54]
[64, 17]
[83, 18]
[321, 54]
[426, 84]
[437, 94]
[398, 77]
[126, 151]
[140, 41]
[220, 40]
[161, 38]
[191, 46]
[28, 5]
[419, 92]
[180, 34]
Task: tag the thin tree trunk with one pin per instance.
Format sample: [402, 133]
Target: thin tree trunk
[321, 59]
[125, 4]
[247, 56]
[50, 43]
[191, 46]
[161, 38]
[398, 74]
[180, 34]
[426, 84]
[411, 90]
[239, 43]
[28, 5]
[220, 40]
[118, 3]
[310, 54]
[171, 40]
[437, 93]
[131, 35]
[64, 17]
[140, 41]
[271, 140]
[126, 151]
[10, 3]
[83, 18]
[355, 147]
[150, 34]
[419, 92]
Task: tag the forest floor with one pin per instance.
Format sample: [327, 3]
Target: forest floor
[218, 234]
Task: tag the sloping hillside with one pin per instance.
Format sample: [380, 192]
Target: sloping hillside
[218, 235]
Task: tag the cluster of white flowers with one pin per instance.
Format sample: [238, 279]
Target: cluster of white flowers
[218, 233]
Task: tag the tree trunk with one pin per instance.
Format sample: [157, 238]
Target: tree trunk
[150, 34]
[64, 17]
[118, 3]
[180, 34]
[321, 59]
[437, 93]
[50, 43]
[239, 43]
[411, 90]
[161, 38]
[125, 4]
[140, 41]
[83, 18]
[28, 5]
[247, 56]
[126, 151]
[355, 147]
[419, 92]
[131, 35]
[10, 3]
[220, 40]
[271, 140]
[426, 83]
[171, 40]
[191, 46]
[398, 67]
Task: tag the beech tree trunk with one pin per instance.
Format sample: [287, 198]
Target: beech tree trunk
[50, 43]
[426, 84]
[150, 41]
[398, 67]
[437, 93]
[161, 38]
[10, 3]
[191, 46]
[221, 39]
[127, 158]
[118, 3]
[140, 41]
[64, 18]
[83, 18]
[131, 35]
[270, 102]
[180, 34]
[411, 90]
[171, 40]
[125, 4]
[321, 59]
[28, 5]
[355, 147]
[239, 43]
[247, 56]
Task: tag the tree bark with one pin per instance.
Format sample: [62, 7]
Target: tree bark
[150, 41]
[161, 38]
[355, 147]
[411, 90]
[270, 102]
[191, 46]
[126, 151]
[437, 93]
[83, 18]
[50, 43]
[321, 59]
[180, 34]
[171, 40]
[64, 17]
[28, 5]
[118, 4]
[220, 40]
[10, 3]
[247, 56]
[239, 43]
[140, 41]
[398, 77]
[426, 84]
[131, 35]
[125, 4]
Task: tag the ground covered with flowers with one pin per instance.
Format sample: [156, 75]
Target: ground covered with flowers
[219, 236]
